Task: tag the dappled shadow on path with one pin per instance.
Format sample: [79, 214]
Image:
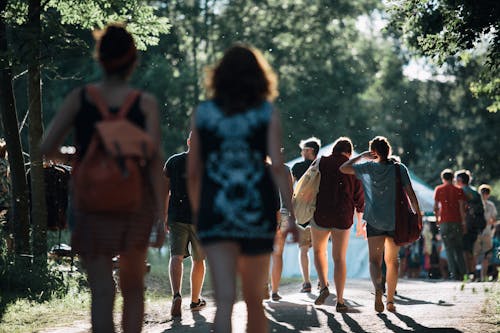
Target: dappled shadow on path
[403, 300]
[291, 317]
[353, 324]
[413, 325]
[199, 324]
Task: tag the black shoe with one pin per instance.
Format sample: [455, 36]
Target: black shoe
[323, 294]
[198, 305]
[175, 310]
[341, 307]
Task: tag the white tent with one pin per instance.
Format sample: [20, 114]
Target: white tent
[357, 251]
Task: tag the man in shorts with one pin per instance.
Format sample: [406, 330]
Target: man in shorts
[309, 151]
[182, 235]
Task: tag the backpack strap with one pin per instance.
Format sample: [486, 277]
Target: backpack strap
[127, 105]
[98, 100]
[103, 107]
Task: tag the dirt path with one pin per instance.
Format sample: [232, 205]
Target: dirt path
[422, 306]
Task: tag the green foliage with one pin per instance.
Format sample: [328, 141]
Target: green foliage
[448, 28]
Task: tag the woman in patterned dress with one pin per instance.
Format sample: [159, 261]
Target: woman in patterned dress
[231, 194]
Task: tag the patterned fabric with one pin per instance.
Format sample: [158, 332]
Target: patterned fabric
[5, 186]
[237, 196]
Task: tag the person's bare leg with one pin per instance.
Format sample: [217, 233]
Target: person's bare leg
[340, 240]
[222, 259]
[375, 253]
[132, 271]
[304, 263]
[197, 278]
[253, 276]
[391, 261]
[277, 261]
[102, 288]
[176, 270]
[320, 243]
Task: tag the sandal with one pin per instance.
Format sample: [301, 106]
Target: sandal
[306, 287]
[341, 307]
[323, 294]
[276, 297]
[379, 305]
[390, 306]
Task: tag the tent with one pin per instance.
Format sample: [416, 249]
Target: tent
[357, 251]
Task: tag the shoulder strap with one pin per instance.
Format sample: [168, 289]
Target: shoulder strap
[98, 100]
[127, 105]
[103, 107]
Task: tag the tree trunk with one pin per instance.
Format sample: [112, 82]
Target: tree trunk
[38, 204]
[20, 209]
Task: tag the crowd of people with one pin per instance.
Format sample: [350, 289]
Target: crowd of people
[228, 198]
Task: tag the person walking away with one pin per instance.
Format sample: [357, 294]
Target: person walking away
[339, 195]
[99, 236]
[474, 219]
[182, 234]
[449, 208]
[309, 150]
[279, 243]
[378, 176]
[483, 245]
[231, 194]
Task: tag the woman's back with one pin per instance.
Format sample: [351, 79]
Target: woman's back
[237, 192]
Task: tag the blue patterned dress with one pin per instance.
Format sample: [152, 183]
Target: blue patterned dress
[237, 193]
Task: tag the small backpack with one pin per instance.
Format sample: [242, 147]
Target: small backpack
[109, 177]
[305, 193]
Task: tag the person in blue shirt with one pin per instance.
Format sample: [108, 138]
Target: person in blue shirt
[378, 177]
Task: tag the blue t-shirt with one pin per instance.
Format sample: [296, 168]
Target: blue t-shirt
[379, 185]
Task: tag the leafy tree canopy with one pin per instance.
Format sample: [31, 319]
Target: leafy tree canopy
[452, 28]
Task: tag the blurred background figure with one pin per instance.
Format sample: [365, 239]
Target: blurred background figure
[99, 236]
[232, 196]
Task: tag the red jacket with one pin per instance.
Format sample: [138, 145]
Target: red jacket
[338, 194]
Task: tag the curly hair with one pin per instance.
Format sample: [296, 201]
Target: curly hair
[241, 79]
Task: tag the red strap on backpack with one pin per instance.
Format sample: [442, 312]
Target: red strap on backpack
[101, 105]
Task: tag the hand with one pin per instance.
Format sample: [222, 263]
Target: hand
[157, 235]
[368, 155]
[292, 230]
[361, 230]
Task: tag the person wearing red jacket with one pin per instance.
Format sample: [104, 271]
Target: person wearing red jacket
[339, 194]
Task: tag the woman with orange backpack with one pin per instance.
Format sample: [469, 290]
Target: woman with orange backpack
[117, 187]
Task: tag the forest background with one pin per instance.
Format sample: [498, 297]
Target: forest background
[346, 68]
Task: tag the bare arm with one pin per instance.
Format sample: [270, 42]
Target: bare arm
[60, 127]
[194, 171]
[461, 207]
[167, 200]
[149, 107]
[279, 172]
[347, 166]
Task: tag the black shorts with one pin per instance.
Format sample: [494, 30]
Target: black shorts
[248, 246]
[373, 232]
[468, 240]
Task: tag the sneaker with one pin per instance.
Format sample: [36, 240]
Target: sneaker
[306, 287]
[175, 311]
[198, 305]
[379, 305]
[276, 297]
[323, 294]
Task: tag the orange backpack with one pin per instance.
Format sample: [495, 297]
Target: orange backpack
[109, 178]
